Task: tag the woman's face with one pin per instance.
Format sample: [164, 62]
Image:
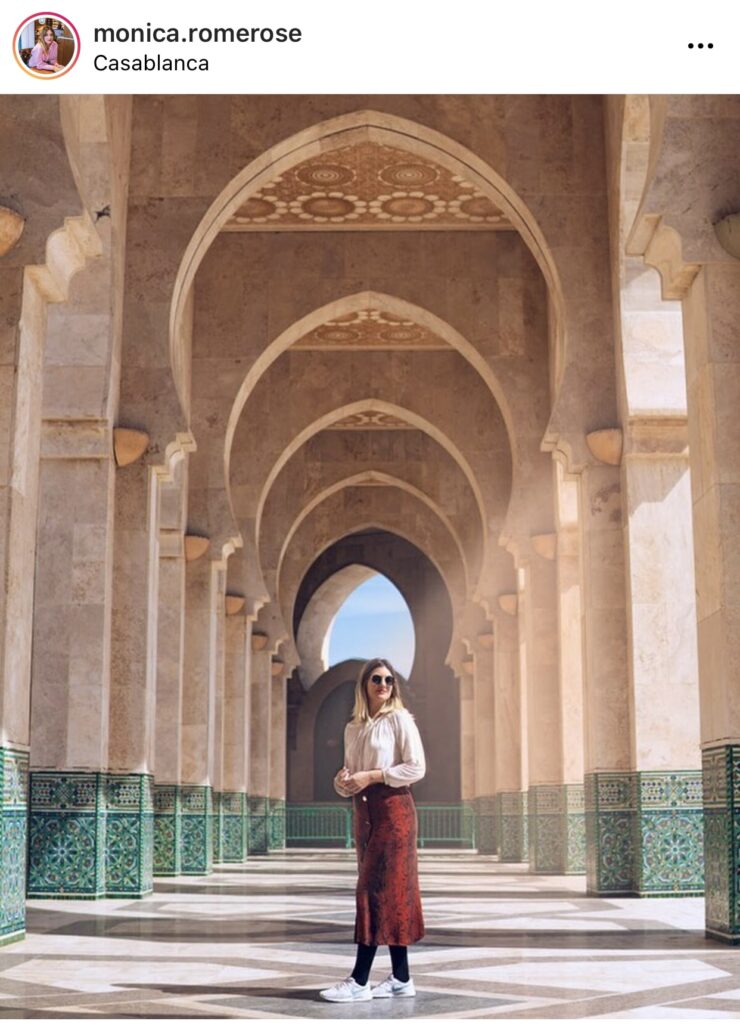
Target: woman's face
[379, 683]
[48, 37]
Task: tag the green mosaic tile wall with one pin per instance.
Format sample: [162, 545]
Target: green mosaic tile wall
[13, 842]
[129, 835]
[556, 832]
[233, 828]
[66, 846]
[276, 825]
[257, 835]
[644, 833]
[721, 773]
[485, 824]
[196, 830]
[512, 827]
[167, 830]
[216, 827]
[91, 834]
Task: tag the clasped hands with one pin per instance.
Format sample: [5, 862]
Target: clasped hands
[351, 783]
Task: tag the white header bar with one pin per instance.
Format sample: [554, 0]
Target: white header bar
[571, 46]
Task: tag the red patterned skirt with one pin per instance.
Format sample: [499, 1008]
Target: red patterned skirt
[388, 899]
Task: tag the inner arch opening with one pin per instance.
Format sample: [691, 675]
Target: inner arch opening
[373, 621]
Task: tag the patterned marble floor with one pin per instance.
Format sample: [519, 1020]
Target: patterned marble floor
[260, 940]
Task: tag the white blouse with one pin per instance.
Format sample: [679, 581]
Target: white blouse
[390, 742]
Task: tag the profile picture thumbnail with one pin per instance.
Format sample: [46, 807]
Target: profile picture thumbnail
[46, 45]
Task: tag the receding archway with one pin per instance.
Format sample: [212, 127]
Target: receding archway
[432, 689]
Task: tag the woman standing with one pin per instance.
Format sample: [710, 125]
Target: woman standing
[44, 54]
[383, 756]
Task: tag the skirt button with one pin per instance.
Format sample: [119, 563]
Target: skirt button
[365, 799]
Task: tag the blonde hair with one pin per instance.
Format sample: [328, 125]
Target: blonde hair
[42, 33]
[361, 710]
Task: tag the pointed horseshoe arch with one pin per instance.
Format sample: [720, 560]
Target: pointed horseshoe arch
[358, 126]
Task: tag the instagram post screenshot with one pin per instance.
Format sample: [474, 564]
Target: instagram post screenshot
[369, 510]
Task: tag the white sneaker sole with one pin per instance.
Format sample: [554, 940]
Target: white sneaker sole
[335, 999]
[393, 995]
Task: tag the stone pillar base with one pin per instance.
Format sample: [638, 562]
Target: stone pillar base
[276, 830]
[233, 820]
[129, 835]
[196, 840]
[512, 827]
[257, 832]
[721, 771]
[13, 815]
[644, 834]
[167, 830]
[557, 838]
[216, 827]
[485, 824]
[91, 835]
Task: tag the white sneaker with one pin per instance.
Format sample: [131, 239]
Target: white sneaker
[393, 987]
[347, 991]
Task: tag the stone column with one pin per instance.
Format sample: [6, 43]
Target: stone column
[568, 563]
[217, 656]
[278, 755]
[168, 729]
[711, 312]
[21, 355]
[467, 731]
[538, 624]
[607, 761]
[130, 796]
[197, 715]
[510, 737]
[71, 668]
[237, 695]
[485, 761]
[259, 744]
[666, 758]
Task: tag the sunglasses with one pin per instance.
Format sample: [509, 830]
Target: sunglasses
[379, 680]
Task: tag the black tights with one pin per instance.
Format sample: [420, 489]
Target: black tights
[366, 955]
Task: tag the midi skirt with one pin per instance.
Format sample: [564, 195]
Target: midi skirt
[388, 899]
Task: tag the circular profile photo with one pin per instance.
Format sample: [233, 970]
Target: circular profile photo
[46, 45]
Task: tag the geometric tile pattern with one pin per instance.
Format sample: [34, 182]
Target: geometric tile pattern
[556, 829]
[512, 826]
[485, 824]
[257, 825]
[216, 827]
[233, 828]
[644, 833]
[66, 848]
[91, 834]
[721, 797]
[196, 830]
[167, 829]
[367, 185]
[261, 939]
[276, 824]
[13, 842]
[669, 826]
[129, 834]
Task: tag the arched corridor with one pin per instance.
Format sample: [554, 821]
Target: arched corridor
[259, 349]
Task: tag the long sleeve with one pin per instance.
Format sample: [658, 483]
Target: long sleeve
[412, 766]
[37, 61]
[337, 789]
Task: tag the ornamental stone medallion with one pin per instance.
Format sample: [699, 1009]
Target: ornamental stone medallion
[368, 186]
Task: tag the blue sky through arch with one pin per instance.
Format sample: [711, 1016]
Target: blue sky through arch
[374, 621]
